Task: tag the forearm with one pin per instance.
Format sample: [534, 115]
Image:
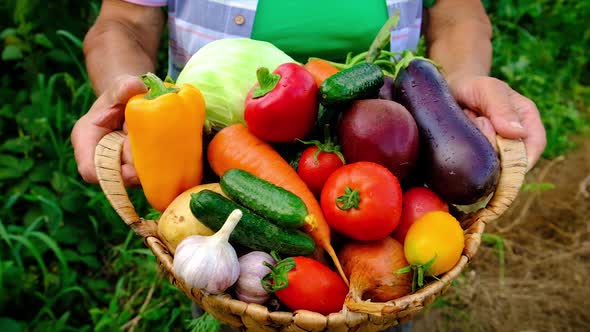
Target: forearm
[110, 52]
[459, 37]
[119, 44]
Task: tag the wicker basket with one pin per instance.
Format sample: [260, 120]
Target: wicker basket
[367, 316]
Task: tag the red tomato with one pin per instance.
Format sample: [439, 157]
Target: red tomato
[362, 200]
[283, 106]
[314, 171]
[313, 286]
[416, 202]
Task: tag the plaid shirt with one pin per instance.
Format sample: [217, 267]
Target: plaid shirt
[198, 22]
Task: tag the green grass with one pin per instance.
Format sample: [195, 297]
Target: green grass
[540, 49]
[69, 263]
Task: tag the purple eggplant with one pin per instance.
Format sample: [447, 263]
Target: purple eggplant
[461, 165]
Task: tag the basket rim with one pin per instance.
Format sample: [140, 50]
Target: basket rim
[513, 163]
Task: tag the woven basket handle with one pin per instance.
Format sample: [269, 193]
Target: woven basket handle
[107, 160]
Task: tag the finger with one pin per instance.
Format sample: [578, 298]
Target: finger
[471, 115]
[105, 115]
[85, 138]
[126, 156]
[491, 98]
[128, 171]
[536, 139]
[111, 118]
[129, 175]
[112, 112]
[125, 87]
[486, 128]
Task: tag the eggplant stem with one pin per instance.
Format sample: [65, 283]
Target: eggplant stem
[407, 57]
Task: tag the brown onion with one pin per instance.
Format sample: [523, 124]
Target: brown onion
[371, 269]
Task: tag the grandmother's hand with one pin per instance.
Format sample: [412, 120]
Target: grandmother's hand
[496, 108]
[107, 114]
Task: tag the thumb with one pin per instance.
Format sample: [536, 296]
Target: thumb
[125, 87]
[112, 115]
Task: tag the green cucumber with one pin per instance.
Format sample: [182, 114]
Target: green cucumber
[271, 202]
[253, 231]
[360, 81]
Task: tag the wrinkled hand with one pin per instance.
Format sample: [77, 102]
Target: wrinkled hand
[107, 114]
[496, 108]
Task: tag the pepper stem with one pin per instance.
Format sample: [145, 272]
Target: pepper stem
[349, 200]
[156, 87]
[267, 81]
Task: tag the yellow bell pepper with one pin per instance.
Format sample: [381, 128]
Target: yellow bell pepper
[165, 128]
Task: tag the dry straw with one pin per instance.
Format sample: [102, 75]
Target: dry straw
[361, 315]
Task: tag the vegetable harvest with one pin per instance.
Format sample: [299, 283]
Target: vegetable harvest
[236, 147]
[165, 129]
[260, 109]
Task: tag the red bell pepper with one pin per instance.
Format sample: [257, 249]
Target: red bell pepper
[283, 105]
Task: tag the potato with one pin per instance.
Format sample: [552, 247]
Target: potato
[178, 222]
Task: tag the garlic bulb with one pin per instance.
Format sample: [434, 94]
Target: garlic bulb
[209, 262]
[252, 269]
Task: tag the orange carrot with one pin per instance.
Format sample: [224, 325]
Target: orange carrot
[320, 70]
[236, 147]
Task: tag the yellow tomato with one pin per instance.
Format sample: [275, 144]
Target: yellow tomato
[435, 235]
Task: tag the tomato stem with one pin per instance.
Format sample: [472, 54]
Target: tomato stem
[328, 146]
[349, 200]
[419, 272]
[277, 278]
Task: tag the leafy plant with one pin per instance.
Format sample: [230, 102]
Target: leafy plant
[67, 261]
[540, 50]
